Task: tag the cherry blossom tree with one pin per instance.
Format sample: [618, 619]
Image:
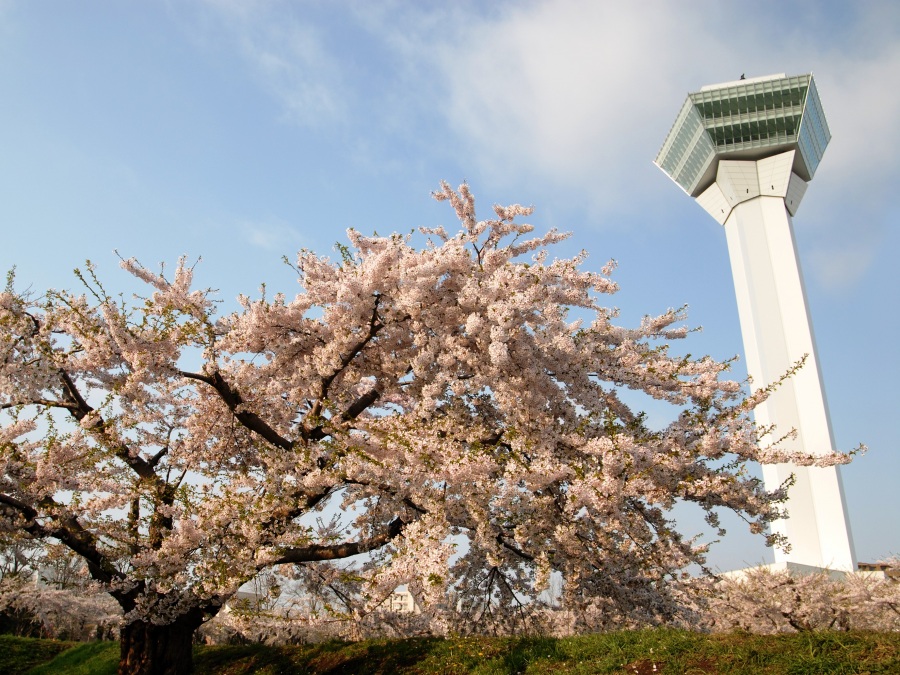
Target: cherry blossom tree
[85, 613]
[457, 405]
[765, 601]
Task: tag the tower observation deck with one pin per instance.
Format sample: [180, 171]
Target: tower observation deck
[746, 152]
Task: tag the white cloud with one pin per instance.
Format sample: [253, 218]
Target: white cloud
[846, 215]
[576, 96]
[571, 92]
[580, 95]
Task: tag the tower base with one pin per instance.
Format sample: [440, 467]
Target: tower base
[798, 569]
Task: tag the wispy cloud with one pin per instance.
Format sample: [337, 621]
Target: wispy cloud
[576, 97]
[6, 20]
[840, 267]
[570, 92]
[290, 57]
[580, 95]
[298, 70]
[271, 235]
[851, 201]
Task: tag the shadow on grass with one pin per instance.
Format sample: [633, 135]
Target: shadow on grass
[524, 652]
[372, 658]
[496, 656]
[329, 658]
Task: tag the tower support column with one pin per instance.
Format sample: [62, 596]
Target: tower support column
[754, 200]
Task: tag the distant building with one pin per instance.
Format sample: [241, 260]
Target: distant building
[879, 570]
[402, 602]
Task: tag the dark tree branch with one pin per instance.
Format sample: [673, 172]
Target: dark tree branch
[79, 409]
[360, 404]
[415, 507]
[512, 547]
[22, 508]
[68, 530]
[233, 400]
[343, 597]
[356, 408]
[374, 326]
[318, 553]
[47, 403]
[153, 461]
[309, 501]
[134, 520]
[494, 439]
[387, 489]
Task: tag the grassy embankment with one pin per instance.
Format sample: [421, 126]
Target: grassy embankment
[643, 652]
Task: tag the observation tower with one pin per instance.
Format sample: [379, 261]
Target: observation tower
[746, 152]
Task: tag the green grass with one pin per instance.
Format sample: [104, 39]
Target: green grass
[19, 654]
[670, 652]
[87, 658]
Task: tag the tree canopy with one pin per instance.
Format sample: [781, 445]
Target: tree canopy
[457, 406]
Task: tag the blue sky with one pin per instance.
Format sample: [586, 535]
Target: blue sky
[242, 131]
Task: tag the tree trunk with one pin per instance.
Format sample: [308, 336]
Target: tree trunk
[148, 649]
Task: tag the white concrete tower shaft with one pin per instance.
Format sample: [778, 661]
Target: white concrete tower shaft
[746, 150]
[754, 201]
